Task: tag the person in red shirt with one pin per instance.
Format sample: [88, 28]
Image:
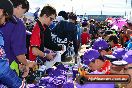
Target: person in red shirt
[37, 41]
[85, 37]
[96, 62]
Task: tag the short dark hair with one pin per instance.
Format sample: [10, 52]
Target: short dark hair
[108, 32]
[48, 10]
[113, 38]
[72, 16]
[24, 3]
[63, 14]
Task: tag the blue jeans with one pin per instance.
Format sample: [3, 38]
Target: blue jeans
[7, 76]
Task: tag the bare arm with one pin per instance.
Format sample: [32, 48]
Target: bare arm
[37, 52]
[22, 59]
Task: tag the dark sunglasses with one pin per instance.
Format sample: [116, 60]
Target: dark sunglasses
[51, 19]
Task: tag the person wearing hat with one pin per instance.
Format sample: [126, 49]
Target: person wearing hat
[118, 63]
[117, 54]
[15, 37]
[7, 76]
[117, 60]
[102, 46]
[128, 67]
[96, 62]
[123, 67]
[118, 67]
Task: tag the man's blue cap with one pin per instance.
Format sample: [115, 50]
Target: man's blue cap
[100, 44]
[90, 55]
[119, 53]
[128, 57]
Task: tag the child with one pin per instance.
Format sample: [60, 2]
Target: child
[96, 62]
[85, 37]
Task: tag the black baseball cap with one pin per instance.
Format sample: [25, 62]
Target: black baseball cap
[8, 8]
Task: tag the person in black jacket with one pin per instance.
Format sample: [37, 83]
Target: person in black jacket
[8, 78]
[48, 43]
[67, 31]
[73, 33]
[92, 30]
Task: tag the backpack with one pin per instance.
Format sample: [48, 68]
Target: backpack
[29, 33]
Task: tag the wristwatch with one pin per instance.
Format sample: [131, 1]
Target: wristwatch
[45, 54]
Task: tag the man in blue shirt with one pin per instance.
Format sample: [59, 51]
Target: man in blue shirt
[7, 76]
[15, 37]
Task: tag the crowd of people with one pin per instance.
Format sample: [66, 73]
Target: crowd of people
[22, 43]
